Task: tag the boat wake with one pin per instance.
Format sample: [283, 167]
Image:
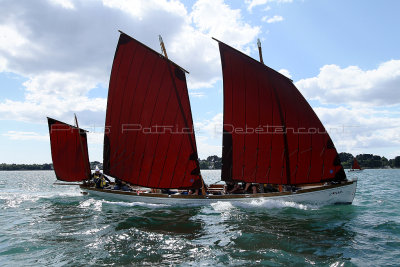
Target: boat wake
[263, 204]
[133, 204]
[97, 204]
[278, 204]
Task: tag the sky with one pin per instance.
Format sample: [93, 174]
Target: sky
[56, 58]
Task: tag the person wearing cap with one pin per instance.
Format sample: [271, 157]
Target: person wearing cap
[99, 179]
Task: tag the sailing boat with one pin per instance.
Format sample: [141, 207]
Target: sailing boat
[271, 135]
[355, 166]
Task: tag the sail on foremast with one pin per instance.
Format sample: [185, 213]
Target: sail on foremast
[271, 134]
[69, 151]
[149, 138]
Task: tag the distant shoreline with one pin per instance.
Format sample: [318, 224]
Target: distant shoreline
[366, 161]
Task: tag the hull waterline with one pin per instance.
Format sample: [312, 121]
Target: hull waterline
[324, 195]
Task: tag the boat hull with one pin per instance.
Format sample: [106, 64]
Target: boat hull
[324, 195]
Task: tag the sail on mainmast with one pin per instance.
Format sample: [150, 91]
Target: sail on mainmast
[271, 134]
[149, 138]
[69, 151]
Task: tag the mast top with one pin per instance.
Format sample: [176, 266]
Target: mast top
[260, 51]
[164, 51]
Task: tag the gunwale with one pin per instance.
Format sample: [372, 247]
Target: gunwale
[140, 193]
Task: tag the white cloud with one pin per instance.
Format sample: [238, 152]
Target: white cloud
[54, 94]
[362, 130]
[354, 86]
[254, 3]
[209, 136]
[217, 19]
[23, 136]
[197, 94]
[365, 117]
[210, 127]
[211, 18]
[68, 4]
[205, 149]
[142, 9]
[11, 40]
[95, 138]
[285, 72]
[274, 19]
[65, 47]
[267, 8]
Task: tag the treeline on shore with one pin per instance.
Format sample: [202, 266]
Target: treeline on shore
[25, 167]
[39, 167]
[367, 161]
[211, 163]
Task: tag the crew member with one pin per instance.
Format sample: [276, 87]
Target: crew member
[99, 179]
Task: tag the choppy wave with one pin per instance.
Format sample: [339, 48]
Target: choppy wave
[92, 204]
[14, 200]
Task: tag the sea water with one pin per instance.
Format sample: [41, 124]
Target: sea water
[42, 224]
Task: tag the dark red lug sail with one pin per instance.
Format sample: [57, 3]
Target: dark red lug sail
[356, 166]
[271, 134]
[149, 139]
[69, 151]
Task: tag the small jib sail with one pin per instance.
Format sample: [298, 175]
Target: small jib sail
[355, 165]
[270, 133]
[149, 139]
[69, 151]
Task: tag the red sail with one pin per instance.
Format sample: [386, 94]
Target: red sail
[356, 166]
[271, 134]
[69, 151]
[149, 139]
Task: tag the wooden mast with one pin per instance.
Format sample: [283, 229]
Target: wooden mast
[164, 51]
[83, 152]
[260, 51]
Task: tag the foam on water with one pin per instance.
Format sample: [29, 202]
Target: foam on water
[97, 204]
[260, 204]
[222, 206]
[276, 204]
[92, 204]
[133, 204]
